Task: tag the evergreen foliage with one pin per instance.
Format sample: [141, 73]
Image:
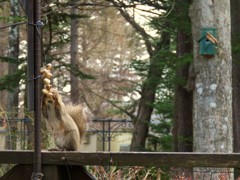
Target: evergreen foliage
[56, 38]
[10, 82]
[168, 62]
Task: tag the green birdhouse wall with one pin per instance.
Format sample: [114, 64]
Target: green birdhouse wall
[208, 42]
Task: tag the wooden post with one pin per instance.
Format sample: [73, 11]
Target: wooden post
[30, 59]
[33, 10]
[37, 90]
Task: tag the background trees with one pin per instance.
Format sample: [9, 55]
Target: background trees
[182, 126]
[131, 59]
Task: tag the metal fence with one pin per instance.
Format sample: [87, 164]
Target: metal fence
[17, 132]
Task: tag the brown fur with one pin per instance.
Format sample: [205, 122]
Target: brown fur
[68, 123]
[79, 116]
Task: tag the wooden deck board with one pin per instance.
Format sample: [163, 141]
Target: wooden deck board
[124, 158]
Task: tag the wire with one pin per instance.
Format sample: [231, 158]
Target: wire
[35, 78]
[14, 24]
[38, 25]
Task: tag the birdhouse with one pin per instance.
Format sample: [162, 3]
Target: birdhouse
[208, 42]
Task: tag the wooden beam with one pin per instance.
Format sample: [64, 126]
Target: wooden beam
[170, 159]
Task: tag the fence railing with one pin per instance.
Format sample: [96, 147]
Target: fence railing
[180, 164]
[156, 159]
[17, 132]
[175, 166]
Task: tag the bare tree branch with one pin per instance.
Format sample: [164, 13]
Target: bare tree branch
[146, 37]
[116, 106]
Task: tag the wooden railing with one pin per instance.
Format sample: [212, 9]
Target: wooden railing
[156, 159]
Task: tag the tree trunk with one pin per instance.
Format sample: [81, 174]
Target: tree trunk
[142, 121]
[182, 126]
[212, 112]
[12, 103]
[13, 53]
[75, 95]
[183, 97]
[149, 88]
[235, 6]
[3, 94]
[182, 130]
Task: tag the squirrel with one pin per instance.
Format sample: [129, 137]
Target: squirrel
[68, 123]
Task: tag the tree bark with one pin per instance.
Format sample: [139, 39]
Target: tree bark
[12, 98]
[235, 6]
[13, 53]
[75, 95]
[182, 125]
[148, 92]
[212, 115]
[142, 121]
[3, 94]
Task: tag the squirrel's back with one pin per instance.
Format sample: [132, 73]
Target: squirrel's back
[80, 116]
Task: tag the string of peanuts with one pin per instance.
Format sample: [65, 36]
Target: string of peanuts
[46, 76]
